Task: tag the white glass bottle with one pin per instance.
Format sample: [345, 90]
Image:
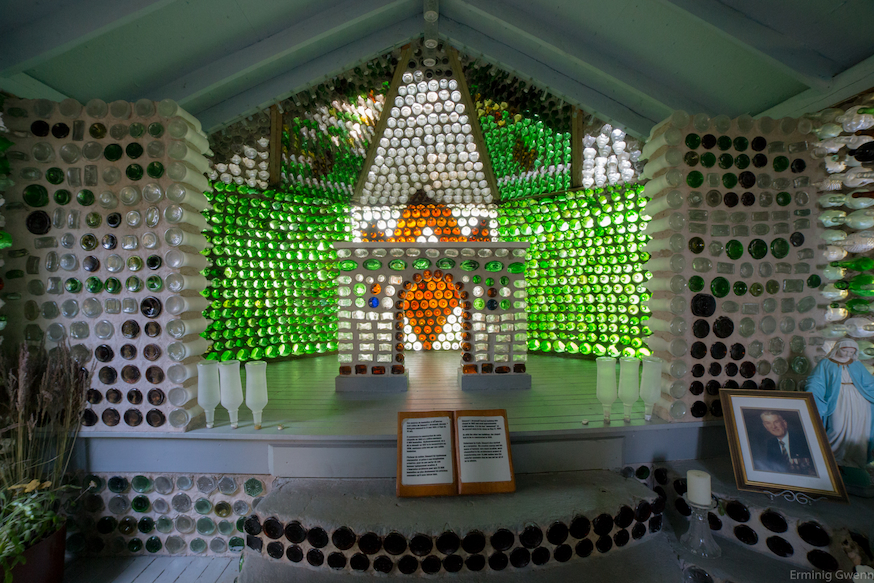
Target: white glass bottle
[673, 200]
[175, 214]
[670, 137]
[208, 389]
[179, 373]
[678, 120]
[670, 179]
[676, 347]
[181, 151]
[231, 389]
[186, 194]
[606, 390]
[180, 129]
[650, 384]
[181, 396]
[670, 158]
[675, 305]
[256, 389]
[169, 108]
[178, 259]
[179, 351]
[184, 172]
[174, 236]
[179, 329]
[677, 326]
[180, 418]
[176, 282]
[629, 384]
[180, 304]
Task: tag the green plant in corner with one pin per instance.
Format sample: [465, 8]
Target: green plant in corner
[42, 398]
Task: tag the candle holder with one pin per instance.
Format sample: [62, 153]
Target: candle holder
[698, 540]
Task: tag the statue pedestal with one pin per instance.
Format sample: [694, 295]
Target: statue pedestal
[858, 481]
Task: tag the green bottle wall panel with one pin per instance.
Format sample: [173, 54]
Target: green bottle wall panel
[585, 269]
[527, 132]
[273, 292]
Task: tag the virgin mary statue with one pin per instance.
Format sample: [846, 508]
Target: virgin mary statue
[844, 393]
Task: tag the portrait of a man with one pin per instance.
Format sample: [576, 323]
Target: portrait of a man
[777, 442]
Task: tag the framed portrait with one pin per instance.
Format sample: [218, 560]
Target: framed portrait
[778, 443]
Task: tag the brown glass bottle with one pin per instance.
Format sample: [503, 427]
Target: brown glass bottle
[135, 397]
[487, 367]
[345, 370]
[110, 417]
[152, 329]
[93, 396]
[128, 351]
[155, 375]
[89, 418]
[397, 369]
[130, 374]
[130, 329]
[103, 353]
[155, 418]
[133, 417]
[107, 375]
[377, 370]
[156, 397]
[114, 396]
[151, 352]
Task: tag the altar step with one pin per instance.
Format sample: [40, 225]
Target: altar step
[803, 536]
[554, 527]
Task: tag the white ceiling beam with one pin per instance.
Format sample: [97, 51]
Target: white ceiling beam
[261, 96]
[344, 19]
[69, 25]
[26, 87]
[790, 55]
[562, 49]
[637, 115]
[844, 86]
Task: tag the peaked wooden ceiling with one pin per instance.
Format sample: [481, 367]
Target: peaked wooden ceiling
[628, 61]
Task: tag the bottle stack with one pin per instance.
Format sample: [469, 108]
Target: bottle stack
[245, 159]
[428, 142]
[585, 269]
[324, 148]
[272, 291]
[105, 211]
[608, 158]
[846, 151]
[734, 280]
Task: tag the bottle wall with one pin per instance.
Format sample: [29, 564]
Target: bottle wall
[527, 132]
[735, 281]
[273, 291]
[100, 208]
[847, 213]
[585, 269]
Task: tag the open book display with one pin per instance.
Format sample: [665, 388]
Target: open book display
[444, 453]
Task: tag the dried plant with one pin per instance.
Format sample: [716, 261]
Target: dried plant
[42, 397]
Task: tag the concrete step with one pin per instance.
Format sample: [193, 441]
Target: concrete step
[554, 526]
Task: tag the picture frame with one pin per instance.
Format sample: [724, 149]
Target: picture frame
[777, 442]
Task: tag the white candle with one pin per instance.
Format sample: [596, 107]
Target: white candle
[698, 487]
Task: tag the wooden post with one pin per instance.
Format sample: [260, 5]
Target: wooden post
[383, 121]
[577, 127]
[275, 145]
[458, 73]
